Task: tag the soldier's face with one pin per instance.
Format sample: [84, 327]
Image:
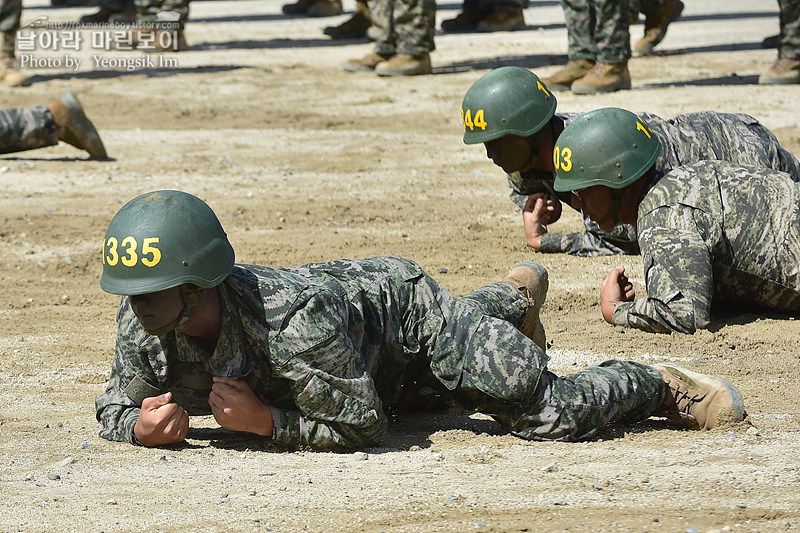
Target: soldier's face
[157, 309]
[512, 153]
[595, 202]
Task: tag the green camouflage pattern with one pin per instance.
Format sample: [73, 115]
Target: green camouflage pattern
[332, 346]
[23, 128]
[685, 139]
[716, 232]
[404, 26]
[598, 30]
[789, 44]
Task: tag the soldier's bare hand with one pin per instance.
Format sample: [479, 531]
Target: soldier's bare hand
[236, 407]
[540, 210]
[616, 288]
[161, 421]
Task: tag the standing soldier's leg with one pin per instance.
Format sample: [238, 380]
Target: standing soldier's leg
[382, 18]
[169, 18]
[787, 68]
[659, 14]
[10, 15]
[613, 42]
[579, 16]
[413, 24]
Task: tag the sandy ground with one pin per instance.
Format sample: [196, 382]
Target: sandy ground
[305, 162]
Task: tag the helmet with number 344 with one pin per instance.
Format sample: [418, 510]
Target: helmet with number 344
[506, 101]
[161, 240]
[610, 146]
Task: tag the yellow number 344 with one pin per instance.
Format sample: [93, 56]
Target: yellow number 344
[126, 252]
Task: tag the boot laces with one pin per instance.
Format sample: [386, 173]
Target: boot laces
[684, 400]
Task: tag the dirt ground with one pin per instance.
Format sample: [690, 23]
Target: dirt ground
[305, 162]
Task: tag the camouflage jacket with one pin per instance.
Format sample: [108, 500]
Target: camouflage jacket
[685, 139]
[716, 231]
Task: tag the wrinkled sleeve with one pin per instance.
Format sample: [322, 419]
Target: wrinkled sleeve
[132, 379]
[678, 275]
[593, 242]
[337, 402]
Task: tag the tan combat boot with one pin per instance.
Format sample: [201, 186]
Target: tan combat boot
[532, 279]
[465, 21]
[10, 74]
[604, 78]
[405, 65]
[366, 63]
[73, 126]
[698, 400]
[314, 8]
[502, 21]
[655, 26]
[784, 71]
[353, 28]
[574, 70]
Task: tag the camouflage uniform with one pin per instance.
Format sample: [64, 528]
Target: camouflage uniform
[331, 346]
[715, 230]
[598, 30]
[685, 139]
[405, 26]
[789, 45]
[10, 15]
[26, 129]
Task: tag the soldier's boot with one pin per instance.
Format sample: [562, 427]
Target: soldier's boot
[314, 8]
[655, 26]
[574, 70]
[104, 14]
[353, 28]
[366, 63]
[502, 21]
[698, 400]
[531, 278]
[604, 78]
[771, 42]
[465, 21]
[73, 126]
[784, 71]
[405, 65]
[10, 74]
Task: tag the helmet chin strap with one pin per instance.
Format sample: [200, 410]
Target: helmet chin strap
[613, 208]
[191, 298]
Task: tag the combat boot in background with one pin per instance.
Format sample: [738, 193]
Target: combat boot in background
[366, 63]
[784, 71]
[353, 28]
[314, 8]
[405, 65]
[603, 78]
[698, 400]
[655, 26]
[502, 21]
[465, 21]
[10, 74]
[73, 126]
[574, 70]
[532, 279]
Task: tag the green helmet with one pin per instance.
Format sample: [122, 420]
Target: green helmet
[163, 239]
[506, 101]
[609, 146]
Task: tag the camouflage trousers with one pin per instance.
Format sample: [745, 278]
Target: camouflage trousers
[489, 366]
[10, 14]
[789, 46]
[26, 129]
[598, 30]
[406, 26]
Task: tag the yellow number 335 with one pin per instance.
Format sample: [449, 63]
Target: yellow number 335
[125, 252]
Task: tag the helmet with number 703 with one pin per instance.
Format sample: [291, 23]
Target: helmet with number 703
[609, 146]
[506, 101]
[163, 239]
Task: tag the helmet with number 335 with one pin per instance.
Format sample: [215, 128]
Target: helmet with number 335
[163, 239]
[506, 101]
[609, 146]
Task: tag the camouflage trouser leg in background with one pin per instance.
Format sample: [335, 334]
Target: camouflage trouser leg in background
[148, 10]
[26, 129]
[10, 15]
[789, 47]
[598, 30]
[491, 367]
[406, 26]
